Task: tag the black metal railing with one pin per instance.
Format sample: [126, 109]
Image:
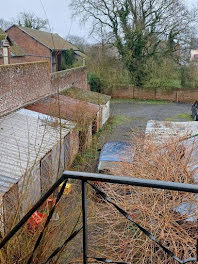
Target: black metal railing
[89, 178]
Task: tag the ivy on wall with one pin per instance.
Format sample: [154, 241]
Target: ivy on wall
[69, 59]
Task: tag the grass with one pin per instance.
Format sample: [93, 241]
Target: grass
[87, 96]
[180, 117]
[87, 160]
[119, 120]
[140, 101]
[165, 85]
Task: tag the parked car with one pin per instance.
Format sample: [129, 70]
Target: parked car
[195, 110]
[113, 153]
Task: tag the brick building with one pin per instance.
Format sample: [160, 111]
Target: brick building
[36, 45]
[10, 52]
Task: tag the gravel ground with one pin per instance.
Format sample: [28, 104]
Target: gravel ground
[131, 116]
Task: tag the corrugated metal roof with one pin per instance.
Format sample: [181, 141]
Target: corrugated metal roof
[25, 138]
[163, 130]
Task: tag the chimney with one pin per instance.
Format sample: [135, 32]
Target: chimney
[5, 48]
[6, 52]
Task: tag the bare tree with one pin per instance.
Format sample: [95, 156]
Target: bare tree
[77, 41]
[140, 29]
[4, 24]
[30, 20]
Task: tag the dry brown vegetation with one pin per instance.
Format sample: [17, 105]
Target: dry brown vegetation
[110, 234]
[66, 219]
[113, 236]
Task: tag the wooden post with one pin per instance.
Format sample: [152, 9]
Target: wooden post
[177, 96]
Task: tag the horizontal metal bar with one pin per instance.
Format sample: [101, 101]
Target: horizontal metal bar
[191, 188]
[173, 186]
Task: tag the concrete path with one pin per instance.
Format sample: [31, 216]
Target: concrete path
[131, 116]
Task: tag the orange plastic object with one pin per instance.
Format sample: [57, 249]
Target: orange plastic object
[35, 220]
[67, 188]
[132, 216]
[99, 183]
[50, 202]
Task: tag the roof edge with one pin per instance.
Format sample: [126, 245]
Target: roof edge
[21, 28]
[54, 49]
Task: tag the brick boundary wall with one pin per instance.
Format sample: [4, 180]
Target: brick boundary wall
[177, 95]
[76, 77]
[24, 83]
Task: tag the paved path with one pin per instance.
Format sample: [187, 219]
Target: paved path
[132, 116]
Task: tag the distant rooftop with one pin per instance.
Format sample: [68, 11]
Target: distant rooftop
[87, 96]
[50, 40]
[14, 48]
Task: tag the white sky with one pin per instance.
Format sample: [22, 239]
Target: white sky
[58, 13]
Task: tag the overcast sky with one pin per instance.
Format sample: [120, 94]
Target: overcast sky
[57, 11]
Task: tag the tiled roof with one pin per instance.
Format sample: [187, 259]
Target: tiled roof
[68, 108]
[87, 96]
[16, 50]
[50, 40]
[80, 53]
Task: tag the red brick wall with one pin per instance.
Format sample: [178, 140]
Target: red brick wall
[27, 43]
[76, 77]
[24, 59]
[178, 95]
[30, 46]
[21, 84]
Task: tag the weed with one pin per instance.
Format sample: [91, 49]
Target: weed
[180, 117]
[87, 160]
[120, 119]
[139, 101]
